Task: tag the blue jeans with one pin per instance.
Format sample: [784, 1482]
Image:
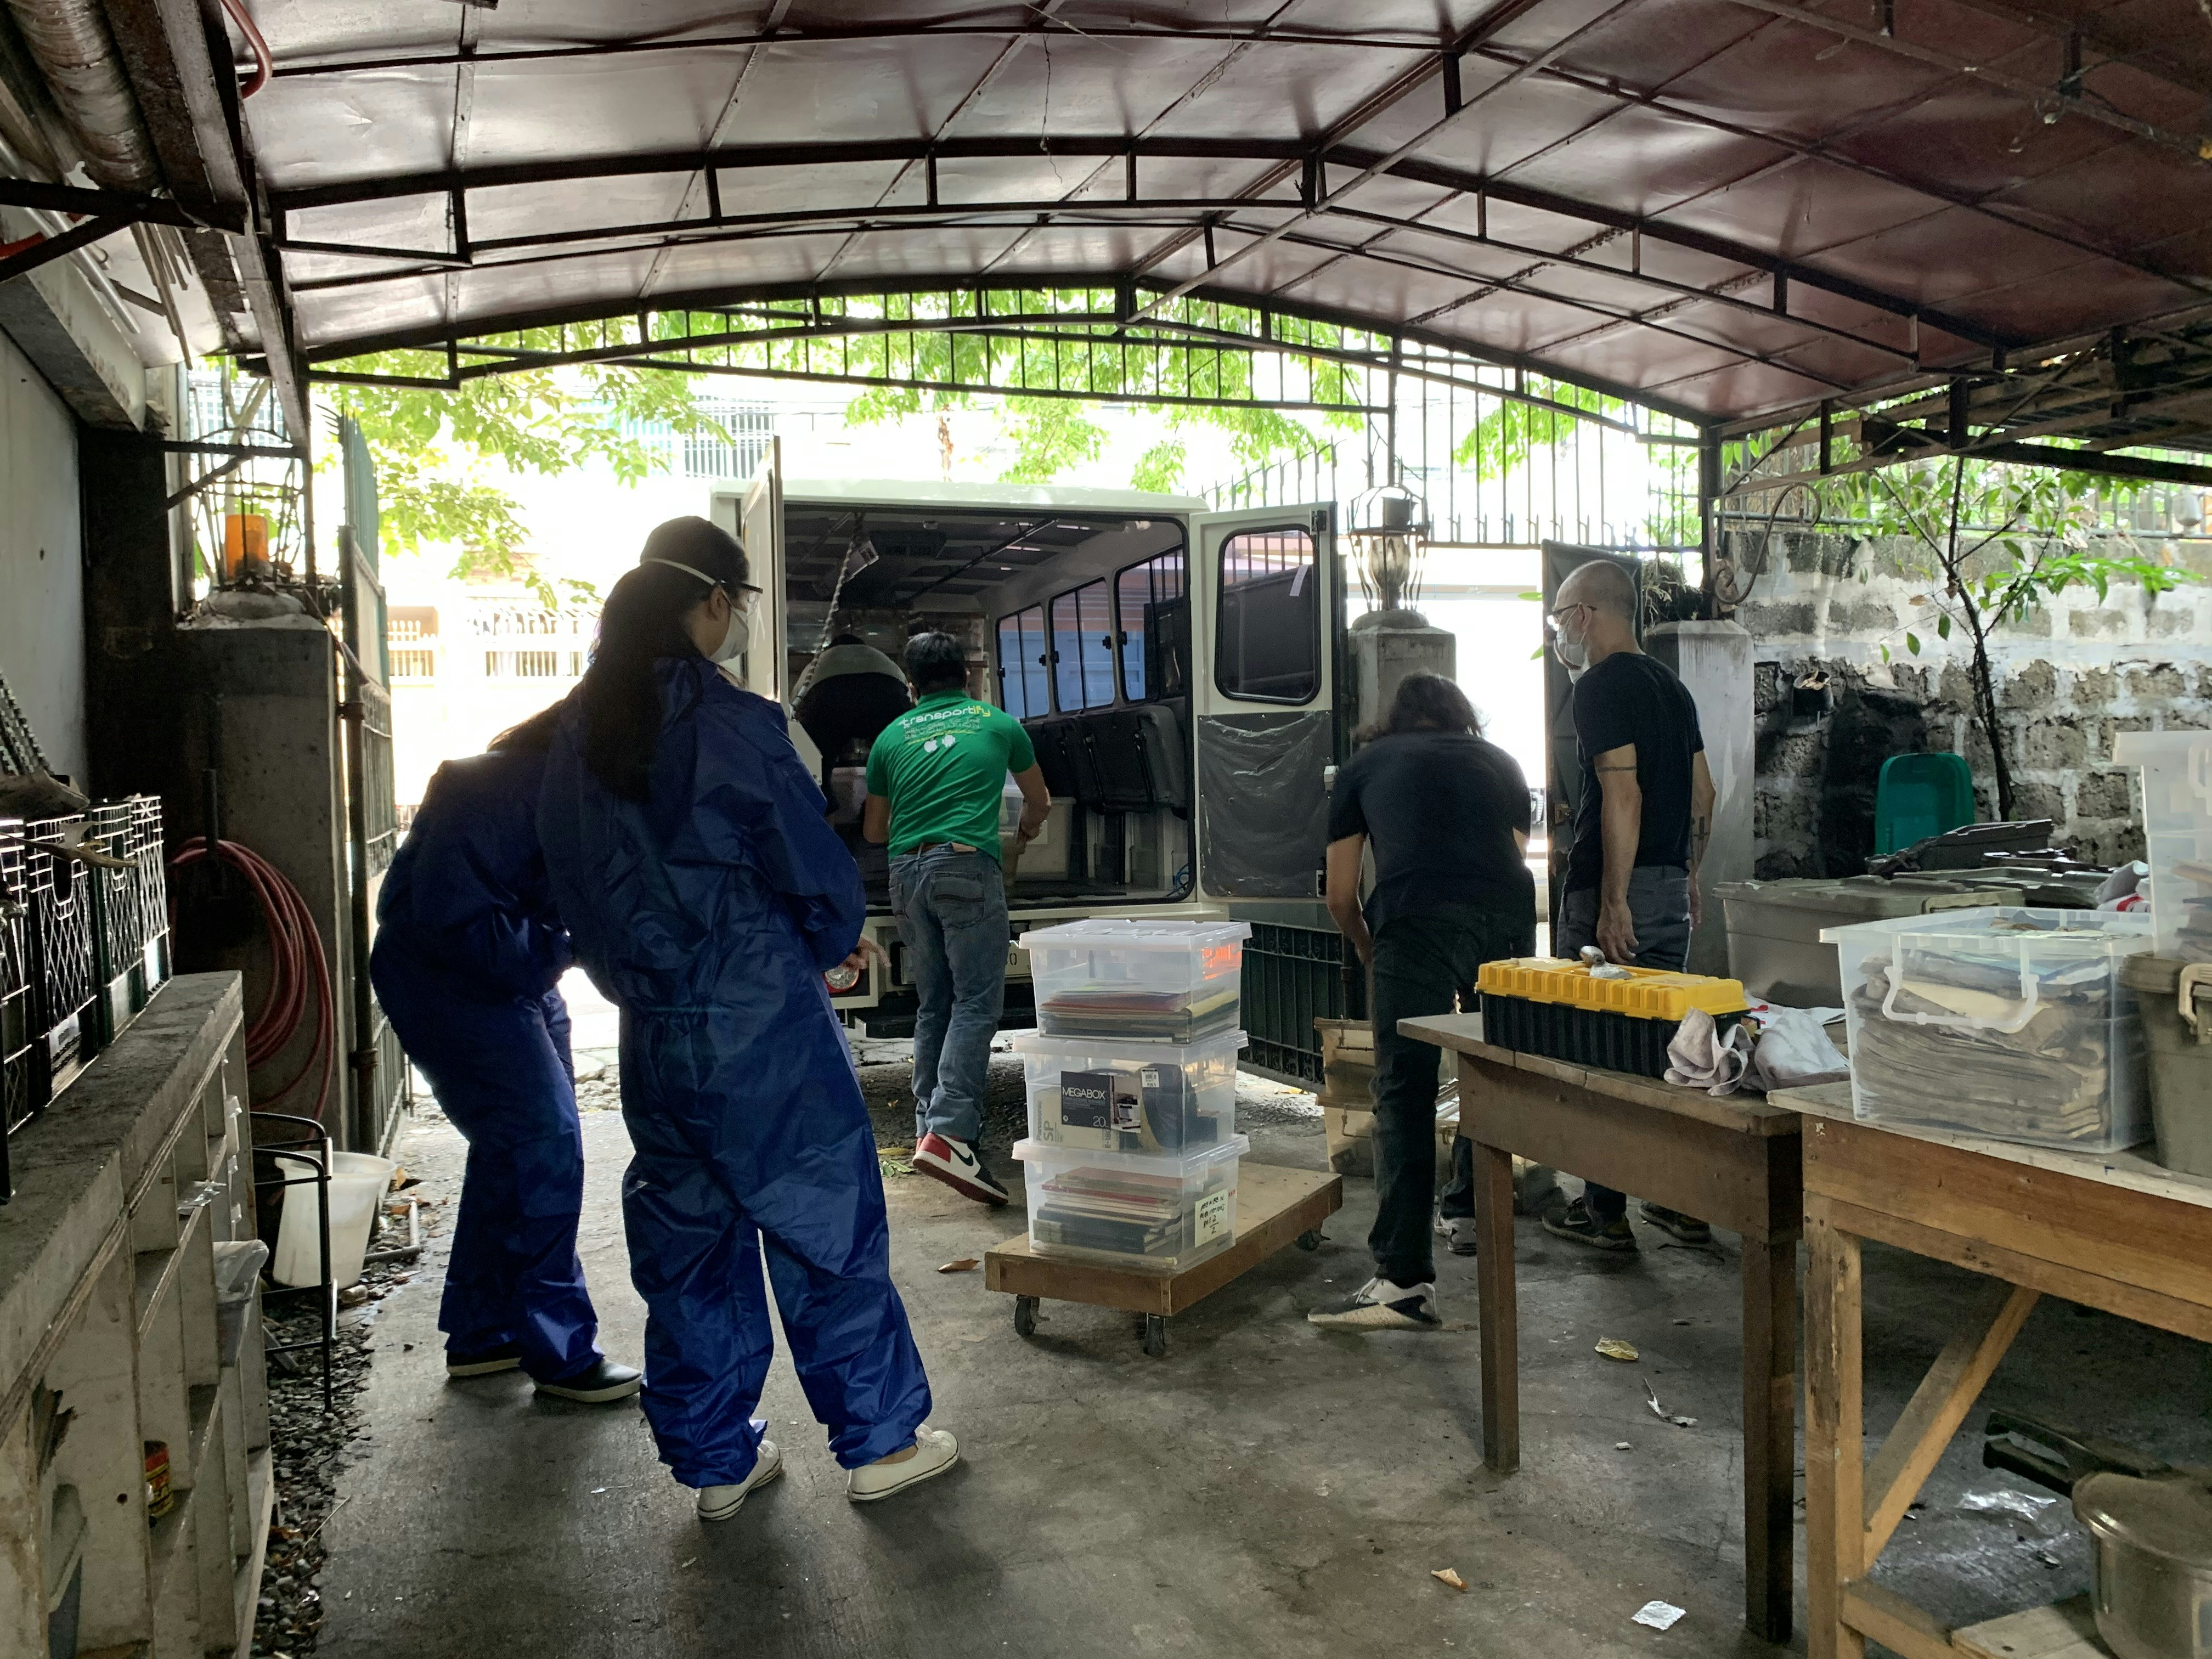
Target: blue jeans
[951, 911]
[1659, 906]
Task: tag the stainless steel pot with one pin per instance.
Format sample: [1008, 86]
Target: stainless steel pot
[2150, 1525]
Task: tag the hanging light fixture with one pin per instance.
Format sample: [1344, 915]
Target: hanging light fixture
[1387, 525]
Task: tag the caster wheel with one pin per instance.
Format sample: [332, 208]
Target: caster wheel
[1311, 1240]
[1025, 1309]
[1156, 1335]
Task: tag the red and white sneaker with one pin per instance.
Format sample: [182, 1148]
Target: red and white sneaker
[959, 1166]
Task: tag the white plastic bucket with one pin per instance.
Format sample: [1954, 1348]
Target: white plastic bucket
[357, 1181]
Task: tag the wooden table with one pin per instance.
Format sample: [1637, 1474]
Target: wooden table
[1275, 1207]
[2108, 1230]
[1732, 1161]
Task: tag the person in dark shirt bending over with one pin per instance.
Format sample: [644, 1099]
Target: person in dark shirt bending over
[1447, 815]
[1640, 830]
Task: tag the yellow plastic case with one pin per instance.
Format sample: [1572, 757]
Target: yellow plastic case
[1648, 993]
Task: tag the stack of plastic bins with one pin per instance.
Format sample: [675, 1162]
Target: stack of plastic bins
[19, 1100]
[64, 956]
[2012, 1023]
[1132, 1155]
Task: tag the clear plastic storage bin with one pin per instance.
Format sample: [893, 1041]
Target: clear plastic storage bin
[1147, 982]
[2177, 797]
[1097, 1095]
[1151, 1212]
[2007, 1022]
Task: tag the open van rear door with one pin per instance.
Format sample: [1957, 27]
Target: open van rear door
[1266, 611]
[757, 520]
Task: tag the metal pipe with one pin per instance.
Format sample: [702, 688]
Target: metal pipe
[69, 41]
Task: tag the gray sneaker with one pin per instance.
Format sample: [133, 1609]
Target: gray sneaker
[1380, 1305]
[1458, 1233]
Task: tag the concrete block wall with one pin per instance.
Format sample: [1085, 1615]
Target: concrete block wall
[1829, 707]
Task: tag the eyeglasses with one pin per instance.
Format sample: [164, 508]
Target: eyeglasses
[745, 597]
[1552, 619]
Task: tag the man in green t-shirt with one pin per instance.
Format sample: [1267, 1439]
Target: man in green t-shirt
[935, 780]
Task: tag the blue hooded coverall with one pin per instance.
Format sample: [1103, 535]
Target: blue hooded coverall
[709, 914]
[468, 950]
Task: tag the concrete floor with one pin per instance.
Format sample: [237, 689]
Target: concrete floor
[1265, 1488]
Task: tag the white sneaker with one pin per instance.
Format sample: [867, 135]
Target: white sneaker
[1457, 1232]
[721, 1503]
[935, 1450]
[1379, 1305]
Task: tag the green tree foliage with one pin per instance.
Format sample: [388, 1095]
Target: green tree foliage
[1996, 543]
[1051, 434]
[439, 453]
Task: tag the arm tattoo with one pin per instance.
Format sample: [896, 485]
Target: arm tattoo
[1701, 831]
[1616, 767]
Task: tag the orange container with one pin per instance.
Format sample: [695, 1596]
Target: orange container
[245, 545]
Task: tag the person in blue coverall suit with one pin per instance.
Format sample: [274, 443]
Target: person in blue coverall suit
[706, 895]
[468, 952]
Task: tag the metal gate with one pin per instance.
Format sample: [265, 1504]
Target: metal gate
[1294, 976]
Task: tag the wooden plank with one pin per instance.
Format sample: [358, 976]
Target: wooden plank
[1498, 1311]
[1834, 1435]
[1770, 1435]
[1274, 1207]
[1749, 1183]
[1933, 1415]
[2064, 1629]
[2065, 1219]
[2186, 1318]
[1746, 1114]
[2130, 1168]
[1895, 1623]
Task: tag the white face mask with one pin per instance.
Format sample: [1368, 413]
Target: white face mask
[1573, 651]
[735, 635]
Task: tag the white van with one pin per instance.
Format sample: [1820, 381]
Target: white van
[1178, 670]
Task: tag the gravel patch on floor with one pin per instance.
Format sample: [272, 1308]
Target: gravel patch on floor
[310, 1445]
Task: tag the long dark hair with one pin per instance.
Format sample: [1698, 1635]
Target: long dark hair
[533, 735]
[641, 624]
[1427, 703]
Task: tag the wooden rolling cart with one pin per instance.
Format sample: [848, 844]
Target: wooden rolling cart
[1274, 1207]
[2108, 1230]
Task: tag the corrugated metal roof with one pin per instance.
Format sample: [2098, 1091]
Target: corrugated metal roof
[1729, 206]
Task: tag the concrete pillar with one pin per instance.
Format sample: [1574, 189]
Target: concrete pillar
[1713, 660]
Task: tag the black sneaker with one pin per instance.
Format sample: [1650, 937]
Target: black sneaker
[1575, 1221]
[1380, 1305]
[605, 1381]
[483, 1362]
[960, 1166]
[1687, 1228]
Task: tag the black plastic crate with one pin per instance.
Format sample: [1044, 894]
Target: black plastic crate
[65, 956]
[150, 849]
[20, 1083]
[129, 911]
[1583, 1036]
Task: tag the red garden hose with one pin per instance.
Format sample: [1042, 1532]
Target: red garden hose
[294, 947]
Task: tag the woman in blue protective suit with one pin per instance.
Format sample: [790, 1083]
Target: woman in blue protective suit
[468, 952]
[706, 895]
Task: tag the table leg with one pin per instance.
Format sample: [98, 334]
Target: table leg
[1770, 1437]
[1498, 1316]
[1835, 1436]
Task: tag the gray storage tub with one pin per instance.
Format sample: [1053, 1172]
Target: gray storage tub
[1774, 926]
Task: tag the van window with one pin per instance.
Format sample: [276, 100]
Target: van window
[1022, 690]
[1083, 649]
[1268, 642]
[1154, 620]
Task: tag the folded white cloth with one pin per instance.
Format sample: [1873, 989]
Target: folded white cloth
[1771, 1049]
